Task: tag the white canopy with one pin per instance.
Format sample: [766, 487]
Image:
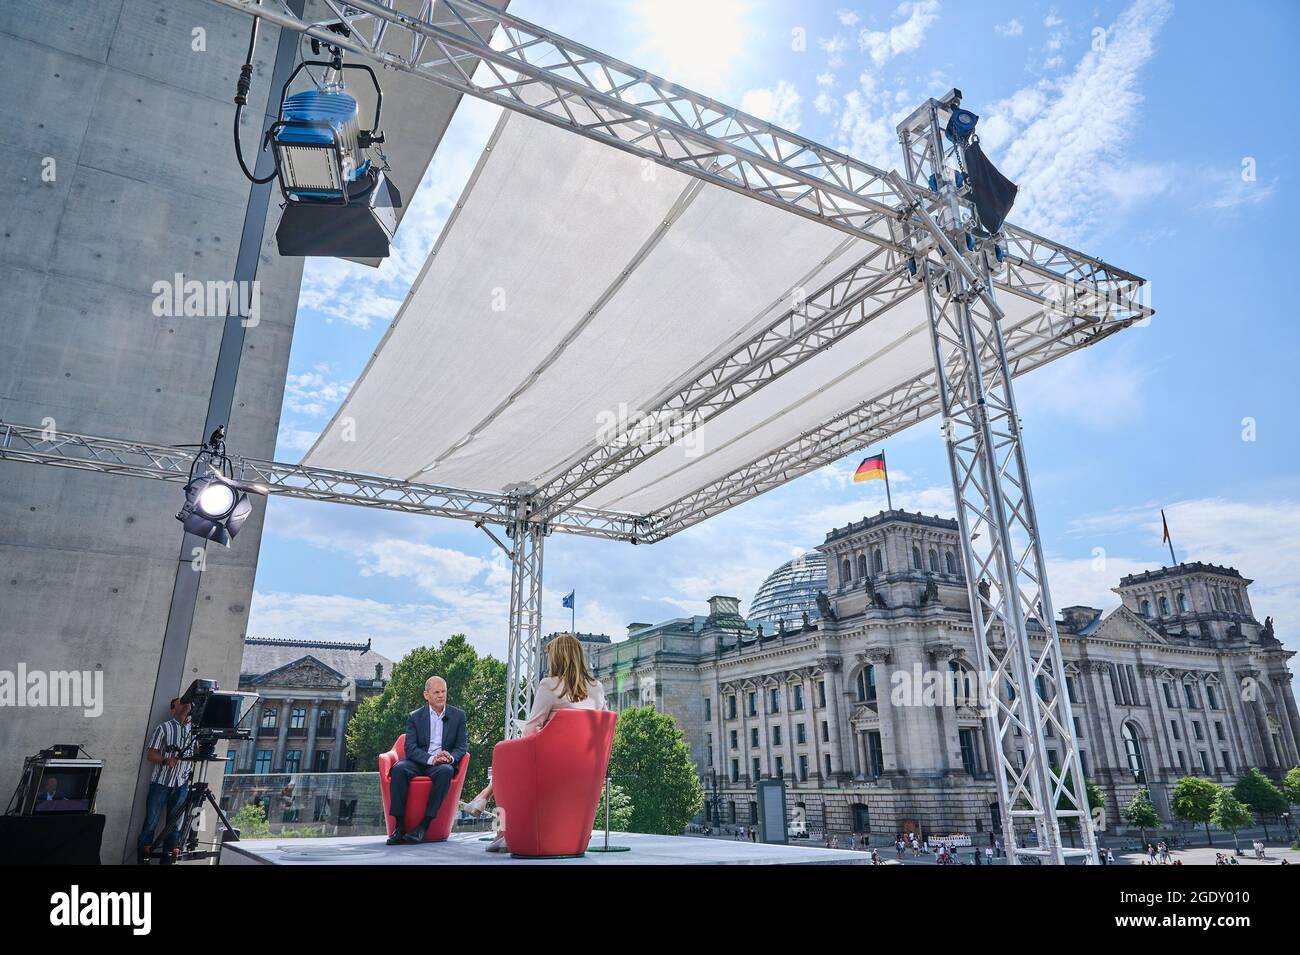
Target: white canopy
[576, 286]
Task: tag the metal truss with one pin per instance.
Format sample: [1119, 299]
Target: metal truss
[135, 459]
[1043, 337]
[524, 656]
[1001, 546]
[531, 70]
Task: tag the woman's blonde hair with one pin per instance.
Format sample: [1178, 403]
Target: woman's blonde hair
[569, 666]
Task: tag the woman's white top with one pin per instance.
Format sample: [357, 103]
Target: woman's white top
[548, 699]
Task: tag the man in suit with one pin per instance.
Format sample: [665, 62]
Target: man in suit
[436, 738]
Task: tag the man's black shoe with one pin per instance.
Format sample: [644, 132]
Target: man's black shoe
[396, 838]
[416, 835]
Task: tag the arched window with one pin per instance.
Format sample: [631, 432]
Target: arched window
[867, 684]
[961, 685]
[1146, 608]
[951, 562]
[880, 561]
[1133, 750]
[916, 558]
[1182, 602]
[846, 573]
[862, 566]
[1164, 606]
[934, 560]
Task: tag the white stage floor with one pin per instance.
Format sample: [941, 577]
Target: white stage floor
[466, 848]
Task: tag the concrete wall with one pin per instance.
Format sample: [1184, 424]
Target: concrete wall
[138, 124]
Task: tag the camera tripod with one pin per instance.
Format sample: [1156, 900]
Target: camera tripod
[187, 813]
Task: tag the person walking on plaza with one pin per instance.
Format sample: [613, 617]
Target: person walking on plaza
[1110, 857]
[988, 855]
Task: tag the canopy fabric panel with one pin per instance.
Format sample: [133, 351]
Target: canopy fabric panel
[574, 289]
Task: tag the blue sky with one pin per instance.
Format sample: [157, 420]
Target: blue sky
[1146, 133]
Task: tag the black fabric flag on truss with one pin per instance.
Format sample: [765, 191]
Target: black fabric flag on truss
[994, 193]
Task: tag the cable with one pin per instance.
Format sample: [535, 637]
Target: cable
[241, 100]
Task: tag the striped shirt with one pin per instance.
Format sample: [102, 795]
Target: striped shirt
[171, 739]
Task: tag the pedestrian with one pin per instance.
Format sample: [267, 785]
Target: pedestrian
[1101, 855]
[988, 855]
[1110, 857]
[997, 844]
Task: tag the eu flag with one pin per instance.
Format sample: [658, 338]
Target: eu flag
[568, 601]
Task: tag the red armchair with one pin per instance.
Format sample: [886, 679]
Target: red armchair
[549, 784]
[417, 797]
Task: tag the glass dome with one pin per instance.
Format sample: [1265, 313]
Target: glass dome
[789, 591]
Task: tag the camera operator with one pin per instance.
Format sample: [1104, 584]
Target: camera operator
[168, 785]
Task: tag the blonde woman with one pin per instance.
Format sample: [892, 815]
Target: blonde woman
[570, 686]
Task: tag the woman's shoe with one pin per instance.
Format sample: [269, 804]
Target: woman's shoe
[475, 807]
[497, 845]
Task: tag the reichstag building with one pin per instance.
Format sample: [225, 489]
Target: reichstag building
[1180, 678]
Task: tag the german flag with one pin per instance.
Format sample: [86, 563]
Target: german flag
[871, 469]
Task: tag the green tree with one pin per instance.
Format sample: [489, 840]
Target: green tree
[1230, 815]
[1141, 812]
[1260, 796]
[620, 810]
[251, 822]
[1193, 800]
[1291, 785]
[474, 684]
[651, 762]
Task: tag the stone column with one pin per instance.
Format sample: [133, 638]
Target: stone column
[340, 741]
[764, 730]
[1239, 729]
[1290, 713]
[942, 654]
[313, 716]
[283, 709]
[250, 757]
[881, 657]
[814, 722]
[830, 675]
[791, 757]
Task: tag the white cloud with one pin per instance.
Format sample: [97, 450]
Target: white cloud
[1052, 20]
[904, 37]
[1231, 192]
[1100, 389]
[696, 44]
[848, 18]
[866, 126]
[824, 103]
[294, 439]
[1010, 28]
[314, 393]
[779, 106]
[1064, 135]
[834, 48]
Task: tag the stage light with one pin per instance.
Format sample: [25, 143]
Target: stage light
[337, 199]
[961, 124]
[216, 505]
[216, 500]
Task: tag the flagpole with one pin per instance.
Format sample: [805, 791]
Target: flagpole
[889, 498]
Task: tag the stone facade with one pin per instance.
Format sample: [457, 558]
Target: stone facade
[307, 691]
[1181, 678]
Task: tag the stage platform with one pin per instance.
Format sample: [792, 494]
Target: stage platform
[466, 848]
